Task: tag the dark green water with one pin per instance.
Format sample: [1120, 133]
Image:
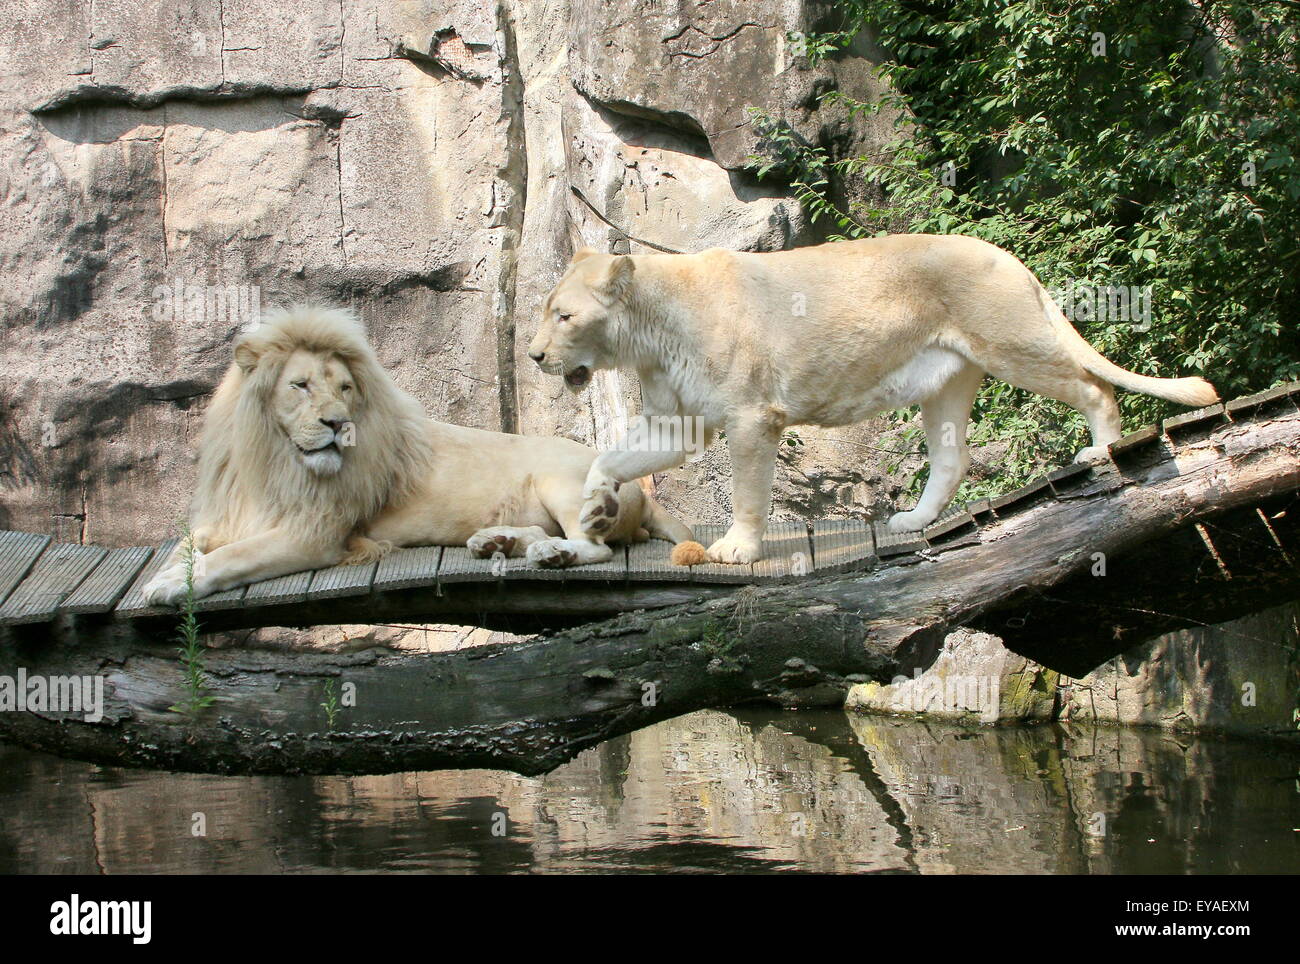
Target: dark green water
[751, 791]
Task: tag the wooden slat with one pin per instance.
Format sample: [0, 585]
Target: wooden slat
[1070, 477]
[407, 568]
[889, 544]
[1279, 400]
[1135, 445]
[339, 581]
[955, 527]
[842, 544]
[230, 599]
[787, 553]
[279, 591]
[18, 552]
[1025, 497]
[109, 582]
[980, 511]
[132, 604]
[648, 562]
[59, 571]
[1197, 424]
[613, 571]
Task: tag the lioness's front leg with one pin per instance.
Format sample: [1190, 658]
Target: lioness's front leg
[752, 438]
[650, 453]
[264, 556]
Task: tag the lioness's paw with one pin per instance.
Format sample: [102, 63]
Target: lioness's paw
[552, 554]
[1093, 454]
[598, 486]
[599, 513]
[736, 550]
[485, 545]
[908, 522]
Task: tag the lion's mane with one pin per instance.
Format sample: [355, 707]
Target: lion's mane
[249, 477]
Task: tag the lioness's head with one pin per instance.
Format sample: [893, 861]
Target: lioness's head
[572, 339]
[310, 394]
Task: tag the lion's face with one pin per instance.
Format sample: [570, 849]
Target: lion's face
[571, 339]
[312, 402]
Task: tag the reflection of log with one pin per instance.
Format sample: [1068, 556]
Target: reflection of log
[1201, 533]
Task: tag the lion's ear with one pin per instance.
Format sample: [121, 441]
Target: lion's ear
[582, 254]
[248, 352]
[616, 278]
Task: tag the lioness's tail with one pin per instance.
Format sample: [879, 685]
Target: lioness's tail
[1194, 392]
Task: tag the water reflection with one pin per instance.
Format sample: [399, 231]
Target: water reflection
[747, 791]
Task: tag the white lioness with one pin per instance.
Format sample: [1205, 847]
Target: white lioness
[824, 335]
[311, 456]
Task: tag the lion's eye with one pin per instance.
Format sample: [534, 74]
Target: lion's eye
[565, 317]
[301, 384]
[345, 388]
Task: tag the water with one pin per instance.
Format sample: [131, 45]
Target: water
[712, 791]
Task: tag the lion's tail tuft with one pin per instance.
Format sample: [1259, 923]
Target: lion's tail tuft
[689, 553]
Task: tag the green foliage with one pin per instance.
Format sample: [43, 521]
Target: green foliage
[197, 696]
[1133, 142]
[331, 703]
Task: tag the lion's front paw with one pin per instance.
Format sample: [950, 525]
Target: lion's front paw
[552, 554]
[167, 588]
[600, 512]
[736, 550]
[912, 521]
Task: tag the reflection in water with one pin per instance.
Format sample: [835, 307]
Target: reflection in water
[746, 791]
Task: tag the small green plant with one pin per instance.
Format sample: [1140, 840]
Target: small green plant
[720, 643]
[197, 695]
[331, 703]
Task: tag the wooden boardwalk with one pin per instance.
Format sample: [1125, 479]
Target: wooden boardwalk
[41, 581]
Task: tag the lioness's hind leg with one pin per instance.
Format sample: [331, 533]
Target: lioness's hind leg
[510, 541]
[944, 415]
[1065, 380]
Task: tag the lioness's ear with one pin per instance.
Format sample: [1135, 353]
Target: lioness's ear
[617, 278]
[248, 351]
[582, 254]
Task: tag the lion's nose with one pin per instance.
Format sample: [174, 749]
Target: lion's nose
[334, 424]
[537, 356]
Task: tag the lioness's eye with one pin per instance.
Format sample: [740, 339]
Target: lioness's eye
[346, 388]
[298, 384]
[565, 317]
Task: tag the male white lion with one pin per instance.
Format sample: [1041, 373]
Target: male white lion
[311, 456]
[824, 335]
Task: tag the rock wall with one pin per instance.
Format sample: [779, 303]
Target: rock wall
[170, 166]
[1240, 678]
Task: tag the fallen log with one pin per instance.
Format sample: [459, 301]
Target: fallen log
[1175, 533]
